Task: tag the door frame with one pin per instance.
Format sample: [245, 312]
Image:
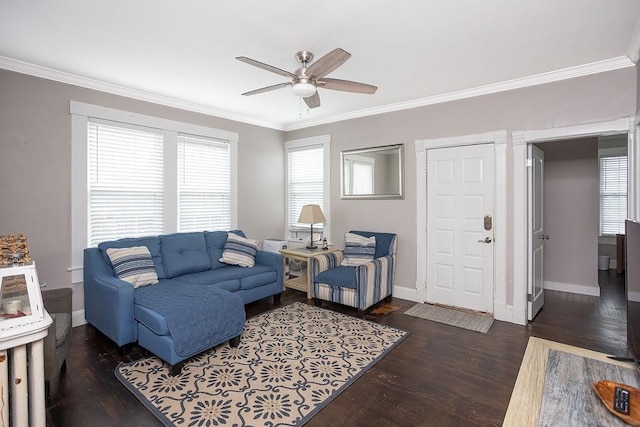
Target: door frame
[520, 141]
[499, 140]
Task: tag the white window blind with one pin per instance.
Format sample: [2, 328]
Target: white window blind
[204, 184]
[305, 181]
[613, 194]
[362, 178]
[125, 182]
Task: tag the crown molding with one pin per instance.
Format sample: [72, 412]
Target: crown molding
[553, 76]
[538, 79]
[114, 89]
[633, 51]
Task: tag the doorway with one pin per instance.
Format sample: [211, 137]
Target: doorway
[497, 295]
[521, 142]
[460, 209]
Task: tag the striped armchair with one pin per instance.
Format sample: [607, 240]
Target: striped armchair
[360, 287]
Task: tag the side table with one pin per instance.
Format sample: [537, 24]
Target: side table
[303, 283]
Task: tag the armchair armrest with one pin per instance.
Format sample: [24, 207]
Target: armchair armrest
[57, 300]
[322, 262]
[375, 280]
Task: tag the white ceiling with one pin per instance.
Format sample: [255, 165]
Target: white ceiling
[417, 52]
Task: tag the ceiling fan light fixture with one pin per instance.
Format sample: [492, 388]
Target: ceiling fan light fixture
[303, 89]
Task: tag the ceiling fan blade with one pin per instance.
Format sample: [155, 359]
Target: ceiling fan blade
[313, 101]
[267, 89]
[328, 63]
[265, 66]
[347, 86]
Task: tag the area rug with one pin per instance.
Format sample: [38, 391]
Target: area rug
[473, 321]
[291, 362]
[554, 386]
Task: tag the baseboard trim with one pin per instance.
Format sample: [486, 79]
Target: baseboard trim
[77, 318]
[503, 312]
[575, 289]
[410, 294]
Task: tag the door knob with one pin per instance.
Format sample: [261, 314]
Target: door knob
[486, 240]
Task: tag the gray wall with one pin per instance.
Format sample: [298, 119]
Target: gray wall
[35, 157]
[35, 168]
[571, 212]
[594, 98]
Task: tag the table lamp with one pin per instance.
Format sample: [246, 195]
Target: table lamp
[311, 214]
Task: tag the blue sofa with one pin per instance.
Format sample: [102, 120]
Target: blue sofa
[189, 271]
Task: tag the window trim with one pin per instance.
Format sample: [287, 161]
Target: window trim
[80, 115]
[609, 239]
[325, 141]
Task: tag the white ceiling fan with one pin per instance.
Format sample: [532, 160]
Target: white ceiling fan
[306, 80]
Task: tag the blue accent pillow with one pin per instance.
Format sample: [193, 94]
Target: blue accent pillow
[383, 241]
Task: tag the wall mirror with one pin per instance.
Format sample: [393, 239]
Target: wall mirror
[372, 173]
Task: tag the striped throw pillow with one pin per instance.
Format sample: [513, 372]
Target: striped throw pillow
[134, 265]
[239, 251]
[358, 250]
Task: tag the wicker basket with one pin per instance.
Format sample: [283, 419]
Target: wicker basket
[13, 250]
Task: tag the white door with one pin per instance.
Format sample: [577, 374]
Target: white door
[536, 236]
[460, 185]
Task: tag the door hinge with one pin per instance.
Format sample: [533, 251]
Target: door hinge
[529, 298]
[529, 163]
[425, 168]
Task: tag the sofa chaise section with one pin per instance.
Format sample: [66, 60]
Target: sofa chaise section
[181, 260]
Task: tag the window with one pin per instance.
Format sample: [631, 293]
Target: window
[613, 190]
[204, 184]
[307, 179]
[136, 175]
[125, 182]
[359, 173]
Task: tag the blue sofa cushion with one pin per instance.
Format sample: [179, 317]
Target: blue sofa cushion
[152, 243]
[184, 253]
[197, 316]
[215, 241]
[151, 319]
[210, 277]
[263, 276]
[338, 276]
[383, 241]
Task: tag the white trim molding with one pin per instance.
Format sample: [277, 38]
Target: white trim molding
[501, 310]
[633, 50]
[520, 140]
[77, 318]
[573, 288]
[405, 293]
[537, 79]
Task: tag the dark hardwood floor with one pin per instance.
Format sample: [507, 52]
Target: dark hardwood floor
[439, 376]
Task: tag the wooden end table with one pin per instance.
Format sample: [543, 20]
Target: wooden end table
[302, 282]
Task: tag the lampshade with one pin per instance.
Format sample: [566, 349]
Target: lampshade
[311, 214]
[303, 88]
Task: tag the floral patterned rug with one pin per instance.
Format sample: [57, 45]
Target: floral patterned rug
[291, 362]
